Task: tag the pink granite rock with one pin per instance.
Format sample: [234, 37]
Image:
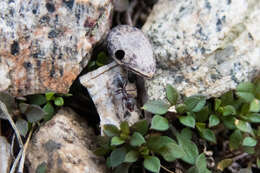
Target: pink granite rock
[44, 44]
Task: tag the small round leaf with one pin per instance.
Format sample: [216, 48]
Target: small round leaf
[152, 163]
[156, 107]
[159, 123]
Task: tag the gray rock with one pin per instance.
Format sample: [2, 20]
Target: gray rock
[203, 47]
[45, 44]
[65, 144]
[5, 155]
[102, 85]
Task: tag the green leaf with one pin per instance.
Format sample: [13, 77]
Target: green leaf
[171, 151]
[195, 103]
[155, 143]
[190, 149]
[123, 168]
[125, 127]
[159, 123]
[181, 108]
[137, 139]
[152, 163]
[187, 133]
[229, 110]
[171, 94]
[37, 99]
[245, 91]
[229, 122]
[235, 140]
[141, 127]
[156, 107]
[22, 126]
[227, 98]
[254, 106]
[111, 130]
[246, 87]
[203, 114]
[244, 126]
[117, 156]
[247, 97]
[188, 120]
[249, 142]
[108, 162]
[254, 117]
[208, 135]
[201, 163]
[217, 104]
[249, 150]
[224, 164]
[23, 107]
[213, 120]
[49, 96]
[131, 156]
[42, 168]
[115, 141]
[49, 109]
[101, 151]
[200, 126]
[102, 59]
[59, 101]
[34, 113]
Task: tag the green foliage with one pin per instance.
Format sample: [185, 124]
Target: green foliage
[238, 112]
[156, 107]
[141, 144]
[38, 108]
[159, 123]
[42, 168]
[152, 164]
[100, 60]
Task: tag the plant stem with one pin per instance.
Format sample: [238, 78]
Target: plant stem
[166, 169]
[21, 165]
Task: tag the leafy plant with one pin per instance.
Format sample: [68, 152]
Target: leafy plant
[36, 108]
[127, 146]
[238, 111]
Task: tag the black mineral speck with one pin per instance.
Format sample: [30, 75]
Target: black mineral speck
[27, 65]
[50, 7]
[219, 25]
[69, 3]
[229, 2]
[15, 48]
[53, 33]
[202, 50]
[44, 19]
[34, 11]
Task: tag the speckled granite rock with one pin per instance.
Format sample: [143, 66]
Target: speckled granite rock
[102, 85]
[44, 44]
[203, 46]
[65, 144]
[5, 155]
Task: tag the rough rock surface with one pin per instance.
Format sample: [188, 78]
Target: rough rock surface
[5, 155]
[203, 47]
[44, 44]
[65, 144]
[102, 85]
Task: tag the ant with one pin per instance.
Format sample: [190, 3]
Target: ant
[127, 99]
